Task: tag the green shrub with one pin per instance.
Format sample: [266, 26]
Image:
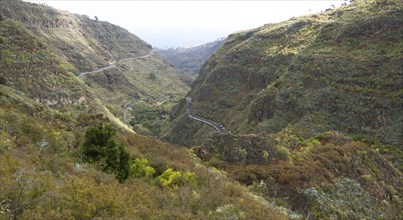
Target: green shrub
[265, 155]
[152, 76]
[172, 179]
[140, 168]
[3, 80]
[283, 151]
[259, 189]
[100, 147]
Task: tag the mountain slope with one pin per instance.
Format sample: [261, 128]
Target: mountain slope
[85, 45]
[312, 107]
[339, 70]
[78, 40]
[29, 67]
[190, 60]
[45, 111]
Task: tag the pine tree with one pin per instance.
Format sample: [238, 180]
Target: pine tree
[101, 147]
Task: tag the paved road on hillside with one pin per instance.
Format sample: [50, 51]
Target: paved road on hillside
[220, 128]
[112, 64]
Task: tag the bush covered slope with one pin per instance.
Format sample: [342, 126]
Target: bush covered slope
[78, 40]
[83, 44]
[313, 106]
[43, 175]
[329, 176]
[52, 154]
[338, 70]
[28, 66]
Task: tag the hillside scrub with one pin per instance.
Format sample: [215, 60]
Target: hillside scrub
[52, 162]
[27, 65]
[80, 44]
[278, 88]
[43, 175]
[321, 177]
[316, 73]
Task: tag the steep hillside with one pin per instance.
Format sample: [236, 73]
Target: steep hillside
[30, 68]
[313, 112]
[339, 70]
[136, 75]
[84, 43]
[190, 60]
[43, 175]
[47, 117]
[329, 176]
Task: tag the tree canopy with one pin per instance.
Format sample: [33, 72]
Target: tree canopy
[102, 148]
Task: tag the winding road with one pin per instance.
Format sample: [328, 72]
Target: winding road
[112, 64]
[220, 128]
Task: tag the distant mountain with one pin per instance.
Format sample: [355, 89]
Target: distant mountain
[190, 60]
[138, 76]
[313, 111]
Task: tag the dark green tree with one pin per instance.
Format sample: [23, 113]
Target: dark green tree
[2, 79]
[102, 148]
[152, 76]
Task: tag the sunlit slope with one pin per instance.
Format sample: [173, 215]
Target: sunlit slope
[83, 42]
[136, 74]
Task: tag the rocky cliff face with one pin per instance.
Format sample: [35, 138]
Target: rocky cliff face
[338, 70]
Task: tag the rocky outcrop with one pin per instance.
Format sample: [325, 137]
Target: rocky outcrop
[52, 24]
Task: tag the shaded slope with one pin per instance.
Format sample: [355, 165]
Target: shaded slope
[277, 89]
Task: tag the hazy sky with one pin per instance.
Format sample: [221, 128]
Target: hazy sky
[185, 23]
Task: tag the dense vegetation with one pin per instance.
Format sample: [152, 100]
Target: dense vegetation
[329, 176]
[313, 107]
[278, 89]
[63, 154]
[102, 148]
[43, 175]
